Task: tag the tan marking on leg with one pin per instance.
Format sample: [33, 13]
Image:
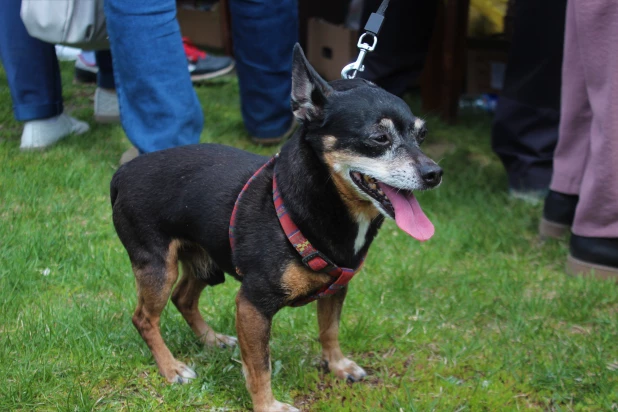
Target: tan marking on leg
[154, 286]
[186, 297]
[253, 330]
[329, 314]
[299, 281]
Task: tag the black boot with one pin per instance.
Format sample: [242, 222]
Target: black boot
[593, 255]
[558, 214]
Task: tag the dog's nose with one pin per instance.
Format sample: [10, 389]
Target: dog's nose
[431, 174]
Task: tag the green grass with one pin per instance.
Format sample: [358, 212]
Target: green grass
[481, 317]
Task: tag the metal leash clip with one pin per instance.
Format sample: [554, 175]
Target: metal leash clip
[358, 66]
[372, 29]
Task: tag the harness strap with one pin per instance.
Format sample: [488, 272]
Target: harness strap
[242, 192]
[311, 257]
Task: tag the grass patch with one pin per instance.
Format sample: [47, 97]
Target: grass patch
[482, 317]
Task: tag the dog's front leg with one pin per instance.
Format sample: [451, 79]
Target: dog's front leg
[329, 313]
[253, 328]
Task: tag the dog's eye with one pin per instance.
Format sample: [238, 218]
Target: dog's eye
[381, 139]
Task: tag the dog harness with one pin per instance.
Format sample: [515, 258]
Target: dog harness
[311, 257]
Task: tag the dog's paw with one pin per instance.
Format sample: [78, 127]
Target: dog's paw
[346, 369]
[276, 407]
[217, 340]
[224, 341]
[180, 373]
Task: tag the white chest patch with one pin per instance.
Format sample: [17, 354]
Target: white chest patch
[363, 226]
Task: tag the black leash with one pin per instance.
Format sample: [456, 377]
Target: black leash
[372, 29]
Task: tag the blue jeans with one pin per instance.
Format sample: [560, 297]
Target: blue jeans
[158, 106]
[264, 33]
[32, 68]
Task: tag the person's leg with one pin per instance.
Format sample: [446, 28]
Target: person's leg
[105, 76]
[525, 129]
[571, 152]
[264, 34]
[597, 29]
[31, 68]
[586, 162]
[158, 106]
[524, 137]
[34, 80]
[105, 98]
[399, 57]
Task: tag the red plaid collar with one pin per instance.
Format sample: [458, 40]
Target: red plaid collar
[311, 257]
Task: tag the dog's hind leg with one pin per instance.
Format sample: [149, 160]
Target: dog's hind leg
[329, 313]
[154, 285]
[186, 297]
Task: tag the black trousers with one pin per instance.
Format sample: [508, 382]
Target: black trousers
[403, 42]
[525, 129]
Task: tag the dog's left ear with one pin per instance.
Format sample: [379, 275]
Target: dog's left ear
[309, 90]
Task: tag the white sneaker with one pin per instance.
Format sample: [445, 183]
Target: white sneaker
[39, 134]
[67, 53]
[86, 68]
[106, 108]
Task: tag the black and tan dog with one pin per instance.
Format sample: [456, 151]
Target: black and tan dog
[354, 160]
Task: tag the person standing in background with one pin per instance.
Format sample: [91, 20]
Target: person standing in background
[158, 106]
[399, 57]
[525, 128]
[33, 75]
[584, 186]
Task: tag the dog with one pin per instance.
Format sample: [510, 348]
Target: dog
[291, 229]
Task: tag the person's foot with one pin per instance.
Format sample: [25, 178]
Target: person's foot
[106, 108]
[593, 256]
[39, 134]
[67, 53]
[558, 215]
[129, 155]
[204, 66]
[271, 141]
[86, 68]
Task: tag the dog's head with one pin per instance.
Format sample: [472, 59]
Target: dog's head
[370, 140]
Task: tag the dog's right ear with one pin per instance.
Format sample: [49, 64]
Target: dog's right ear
[309, 90]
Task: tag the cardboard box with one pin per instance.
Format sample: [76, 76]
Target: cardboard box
[486, 66]
[202, 26]
[330, 47]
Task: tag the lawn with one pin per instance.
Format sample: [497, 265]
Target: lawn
[479, 318]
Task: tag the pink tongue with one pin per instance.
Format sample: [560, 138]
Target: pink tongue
[408, 213]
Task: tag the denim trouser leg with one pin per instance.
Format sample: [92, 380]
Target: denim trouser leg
[105, 77]
[31, 68]
[264, 34]
[158, 106]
